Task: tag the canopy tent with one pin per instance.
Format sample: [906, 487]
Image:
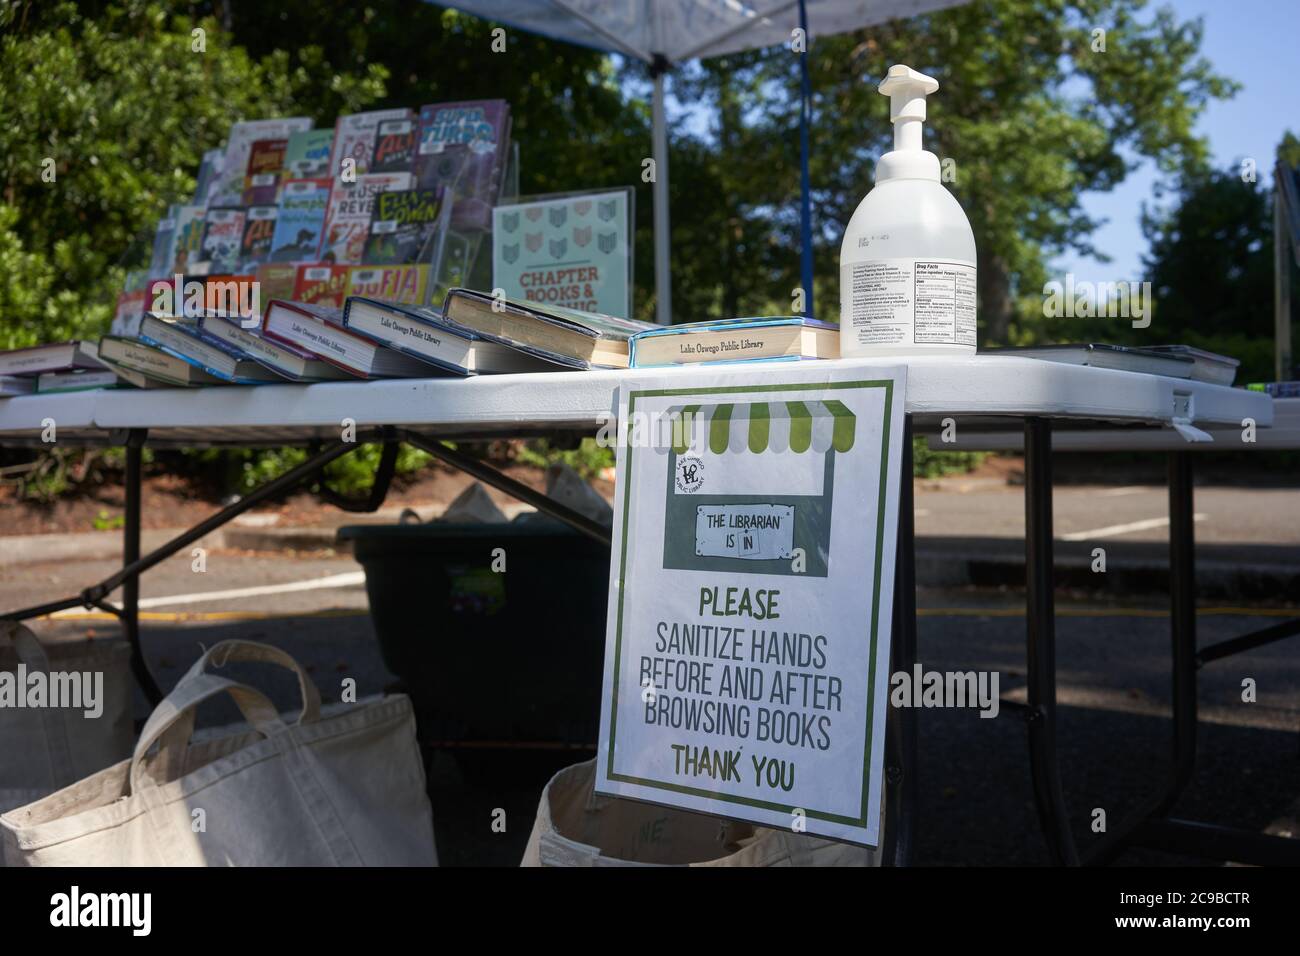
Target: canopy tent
[761, 426]
[664, 33]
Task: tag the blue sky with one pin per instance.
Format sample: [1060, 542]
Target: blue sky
[1256, 43]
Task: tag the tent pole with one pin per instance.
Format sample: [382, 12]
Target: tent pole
[805, 208]
[663, 280]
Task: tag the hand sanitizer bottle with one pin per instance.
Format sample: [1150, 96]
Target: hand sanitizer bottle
[907, 264]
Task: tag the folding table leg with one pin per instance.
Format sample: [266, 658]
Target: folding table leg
[1182, 612]
[1041, 644]
[130, 614]
[900, 723]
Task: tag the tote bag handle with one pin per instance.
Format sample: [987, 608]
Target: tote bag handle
[235, 650]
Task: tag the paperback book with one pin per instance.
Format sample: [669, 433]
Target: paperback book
[408, 285]
[259, 230]
[300, 226]
[394, 150]
[229, 188]
[276, 280]
[347, 225]
[265, 167]
[321, 284]
[354, 141]
[462, 148]
[307, 154]
[403, 226]
[222, 235]
[164, 244]
[214, 161]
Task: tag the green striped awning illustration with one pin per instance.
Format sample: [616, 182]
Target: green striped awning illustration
[762, 426]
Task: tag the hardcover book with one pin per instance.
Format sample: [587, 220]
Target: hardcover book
[291, 362]
[183, 338]
[564, 336]
[321, 284]
[354, 139]
[259, 230]
[152, 362]
[402, 226]
[462, 147]
[77, 381]
[301, 223]
[223, 232]
[54, 357]
[394, 150]
[229, 188]
[347, 225]
[265, 167]
[420, 331]
[736, 340]
[307, 154]
[406, 284]
[320, 330]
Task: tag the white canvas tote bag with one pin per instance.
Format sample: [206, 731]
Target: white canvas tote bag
[44, 747]
[577, 827]
[344, 787]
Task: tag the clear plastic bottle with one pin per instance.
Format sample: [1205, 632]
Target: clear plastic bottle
[907, 263]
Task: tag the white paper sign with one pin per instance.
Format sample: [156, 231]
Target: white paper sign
[747, 648]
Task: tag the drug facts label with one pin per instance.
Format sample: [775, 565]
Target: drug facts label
[908, 302]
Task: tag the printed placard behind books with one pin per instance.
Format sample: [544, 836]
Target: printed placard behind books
[751, 585]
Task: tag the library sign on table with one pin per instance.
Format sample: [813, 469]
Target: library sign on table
[751, 592]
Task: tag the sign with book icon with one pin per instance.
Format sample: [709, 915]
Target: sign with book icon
[567, 249]
[751, 585]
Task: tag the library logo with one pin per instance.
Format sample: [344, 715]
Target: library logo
[690, 474]
[1098, 300]
[73, 690]
[130, 910]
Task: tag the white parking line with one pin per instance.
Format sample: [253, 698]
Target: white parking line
[1113, 529]
[1126, 490]
[348, 580]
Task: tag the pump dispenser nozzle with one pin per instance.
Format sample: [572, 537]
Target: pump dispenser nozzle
[907, 90]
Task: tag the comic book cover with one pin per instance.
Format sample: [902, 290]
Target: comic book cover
[222, 233]
[187, 241]
[406, 284]
[265, 167]
[307, 155]
[402, 226]
[354, 139]
[214, 161]
[462, 147]
[394, 150]
[164, 243]
[259, 230]
[229, 189]
[347, 226]
[276, 280]
[321, 283]
[300, 226]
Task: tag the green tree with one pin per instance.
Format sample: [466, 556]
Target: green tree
[103, 121]
[1031, 110]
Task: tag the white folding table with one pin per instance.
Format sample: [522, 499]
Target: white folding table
[988, 394]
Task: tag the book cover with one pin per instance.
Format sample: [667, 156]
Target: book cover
[354, 141]
[164, 244]
[128, 313]
[347, 225]
[214, 160]
[259, 230]
[301, 223]
[402, 226]
[307, 154]
[229, 188]
[405, 284]
[187, 240]
[321, 284]
[276, 280]
[222, 234]
[394, 150]
[265, 167]
[462, 147]
[154, 363]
